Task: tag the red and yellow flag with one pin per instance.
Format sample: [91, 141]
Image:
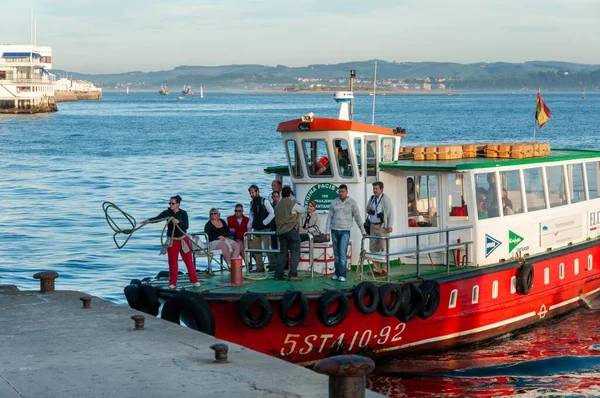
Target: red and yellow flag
[542, 112]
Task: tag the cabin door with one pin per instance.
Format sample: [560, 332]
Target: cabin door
[371, 171]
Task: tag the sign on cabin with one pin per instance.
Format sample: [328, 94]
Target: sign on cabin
[561, 230]
[323, 194]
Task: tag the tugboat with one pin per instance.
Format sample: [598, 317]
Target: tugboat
[487, 239]
[164, 90]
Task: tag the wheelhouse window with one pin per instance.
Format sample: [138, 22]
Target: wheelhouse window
[534, 189]
[371, 158]
[486, 188]
[591, 169]
[294, 160]
[358, 152]
[511, 193]
[456, 191]
[555, 181]
[387, 149]
[317, 158]
[343, 158]
[423, 212]
[575, 173]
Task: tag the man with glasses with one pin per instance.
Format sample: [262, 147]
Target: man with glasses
[239, 224]
[177, 241]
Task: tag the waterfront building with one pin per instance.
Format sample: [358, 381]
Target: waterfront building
[26, 86]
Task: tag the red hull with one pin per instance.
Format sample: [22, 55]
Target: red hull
[375, 335]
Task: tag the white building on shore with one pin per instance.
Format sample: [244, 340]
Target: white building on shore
[26, 86]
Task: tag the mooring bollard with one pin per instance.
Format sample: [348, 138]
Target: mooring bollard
[46, 280]
[220, 350]
[139, 321]
[87, 302]
[347, 375]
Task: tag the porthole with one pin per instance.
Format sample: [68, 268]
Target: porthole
[546, 276]
[475, 295]
[513, 285]
[495, 289]
[576, 266]
[589, 262]
[453, 298]
[561, 271]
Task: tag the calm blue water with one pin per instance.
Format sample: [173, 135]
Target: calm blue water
[137, 150]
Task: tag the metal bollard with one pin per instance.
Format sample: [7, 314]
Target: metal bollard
[139, 321]
[347, 375]
[46, 280]
[220, 350]
[87, 302]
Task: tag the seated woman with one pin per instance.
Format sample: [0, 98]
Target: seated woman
[481, 210]
[218, 237]
[309, 221]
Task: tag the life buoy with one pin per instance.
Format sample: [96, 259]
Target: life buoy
[135, 282]
[525, 278]
[389, 299]
[431, 299]
[411, 300]
[148, 299]
[131, 294]
[289, 300]
[326, 302]
[366, 290]
[247, 301]
[191, 310]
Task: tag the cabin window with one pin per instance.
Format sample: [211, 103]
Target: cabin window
[453, 298]
[534, 189]
[576, 266]
[589, 262]
[555, 180]
[342, 155]
[358, 152]
[371, 158]
[387, 149]
[2, 74]
[575, 173]
[495, 289]
[487, 195]
[591, 169]
[511, 193]
[546, 276]
[294, 163]
[317, 158]
[423, 209]
[456, 197]
[513, 285]
[475, 295]
[561, 271]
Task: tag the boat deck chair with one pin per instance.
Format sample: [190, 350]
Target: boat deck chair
[201, 249]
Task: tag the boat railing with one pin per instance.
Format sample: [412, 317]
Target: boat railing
[417, 250]
[248, 251]
[45, 80]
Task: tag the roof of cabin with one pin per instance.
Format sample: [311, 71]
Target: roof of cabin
[326, 124]
[556, 155]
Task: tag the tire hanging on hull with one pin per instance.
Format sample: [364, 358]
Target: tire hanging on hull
[431, 299]
[326, 302]
[289, 300]
[389, 299]
[247, 301]
[192, 310]
[411, 300]
[525, 278]
[366, 290]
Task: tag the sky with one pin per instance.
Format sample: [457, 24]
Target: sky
[112, 36]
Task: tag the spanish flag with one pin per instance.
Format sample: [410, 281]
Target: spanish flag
[542, 113]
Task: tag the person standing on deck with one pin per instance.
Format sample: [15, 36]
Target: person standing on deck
[491, 198]
[339, 223]
[177, 242]
[287, 214]
[381, 215]
[274, 198]
[261, 215]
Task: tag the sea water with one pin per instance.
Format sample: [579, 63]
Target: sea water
[137, 150]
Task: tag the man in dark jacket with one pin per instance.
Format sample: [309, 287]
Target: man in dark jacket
[287, 216]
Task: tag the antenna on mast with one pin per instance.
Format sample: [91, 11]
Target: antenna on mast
[374, 88]
[352, 76]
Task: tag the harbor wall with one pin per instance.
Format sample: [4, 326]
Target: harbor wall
[67, 96]
[45, 104]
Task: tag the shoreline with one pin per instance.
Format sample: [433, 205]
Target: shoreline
[357, 93]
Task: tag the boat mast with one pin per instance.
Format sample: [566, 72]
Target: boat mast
[374, 88]
[352, 76]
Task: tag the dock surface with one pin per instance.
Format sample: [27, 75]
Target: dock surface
[52, 347]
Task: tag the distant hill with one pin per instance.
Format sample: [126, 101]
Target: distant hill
[549, 75]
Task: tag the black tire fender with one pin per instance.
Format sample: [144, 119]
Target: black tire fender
[135, 282]
[162, 274]
[389, 299]
[131, 294]
[366, 290]
[289, 300]
[245, 304]
[192, 309]
[326, 301]
[411, 300]
[148, 299]
[431, 299]
[525, 278]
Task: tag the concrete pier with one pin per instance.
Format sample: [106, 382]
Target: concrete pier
[53, 346]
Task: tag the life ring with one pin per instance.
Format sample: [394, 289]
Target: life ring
[326, 302]
[431, 299]
[369, 291]
[289, 300]
[525, 278]
[244, 310]
[411, 300]
[131, 294]
[135, 282]
[191, 310]
[389, 299]
[148, 299]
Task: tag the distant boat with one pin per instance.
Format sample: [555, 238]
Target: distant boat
[187, 90]
[201, 92]
[180, 97]
[583, 94]
[127, 90]
[164, 90]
